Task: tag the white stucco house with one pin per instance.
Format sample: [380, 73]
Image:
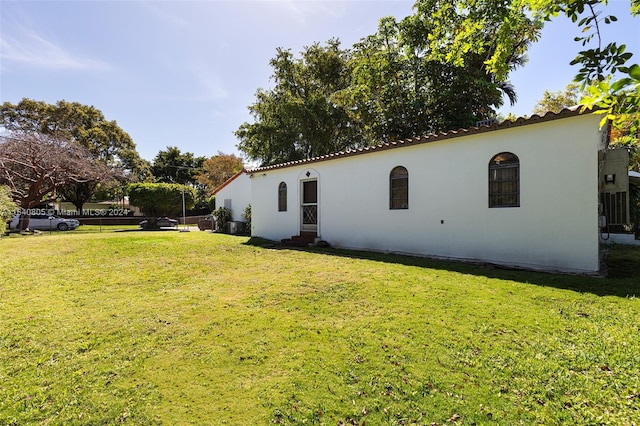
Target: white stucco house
[234, 194]
[520, 194]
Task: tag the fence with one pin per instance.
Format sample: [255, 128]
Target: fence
[127, 223]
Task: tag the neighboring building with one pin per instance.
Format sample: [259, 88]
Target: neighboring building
[234, 194]
[614, 188]
[520, 194]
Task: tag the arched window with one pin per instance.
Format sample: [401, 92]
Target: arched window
[282, 197]
[504, 180]
[399, 188]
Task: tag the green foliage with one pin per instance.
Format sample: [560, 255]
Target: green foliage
[427, 73]
[246, 215]
[497, 31]
[173, 166]
[204, 202]
[618, 101]
[222, 216]
[557, 101]
[401, 87]
[298, 118]
[7, 208]
[161, 199]
[83, 124]
[599, 62]
[107, 144]
[500, 30]
[199, 328]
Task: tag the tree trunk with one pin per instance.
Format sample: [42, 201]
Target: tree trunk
[23, 222]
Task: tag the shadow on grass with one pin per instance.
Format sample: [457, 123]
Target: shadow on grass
[623, 264]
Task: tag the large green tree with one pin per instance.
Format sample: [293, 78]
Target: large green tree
[393, 84]
[388, 92]
[173, 166]
[85, 125]
[445, 66]
[402, 87]
[299, 118]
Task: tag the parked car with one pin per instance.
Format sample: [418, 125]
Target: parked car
[161, 222]
[46, 222]
[207, 222]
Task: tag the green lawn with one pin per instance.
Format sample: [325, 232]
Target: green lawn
[200, 328]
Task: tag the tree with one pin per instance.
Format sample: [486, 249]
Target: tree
[500, 32]
[299, 118]
[616, 100]
[218, 169]
[461, 86]
[392, 85]
[619, 100]
[401, 87]
[7, 208]
[85, 125]
[35, 165]
[557, 101]
[173, 166]
[161, 199]
[78, 193]
[387, 93]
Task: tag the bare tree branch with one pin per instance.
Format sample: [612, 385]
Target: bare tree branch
[34, 166]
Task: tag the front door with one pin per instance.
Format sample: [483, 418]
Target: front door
[310, 205]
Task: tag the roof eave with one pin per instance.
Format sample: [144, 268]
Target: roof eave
[521, 121]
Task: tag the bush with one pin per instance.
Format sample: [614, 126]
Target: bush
[161, 199]
[246, 215]
[7, 208]
[222, 216]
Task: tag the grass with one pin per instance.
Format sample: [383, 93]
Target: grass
[200, 328]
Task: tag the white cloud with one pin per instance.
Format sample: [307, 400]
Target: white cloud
[36, 51]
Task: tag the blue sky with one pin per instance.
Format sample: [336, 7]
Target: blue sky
[182, 73]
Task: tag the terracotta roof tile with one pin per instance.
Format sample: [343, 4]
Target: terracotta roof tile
[549, 116]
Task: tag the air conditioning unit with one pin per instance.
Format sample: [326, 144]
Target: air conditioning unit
[236, 227]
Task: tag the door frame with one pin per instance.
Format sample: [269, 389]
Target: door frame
[309, 175]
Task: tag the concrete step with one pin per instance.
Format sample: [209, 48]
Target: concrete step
[294, 243]
[305, 236]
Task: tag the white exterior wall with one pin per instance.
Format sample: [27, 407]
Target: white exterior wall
[239, 192]
[555, 227]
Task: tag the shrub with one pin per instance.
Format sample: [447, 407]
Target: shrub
[7, 208]
[246, 215]
[222, 216]
[161, 199]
